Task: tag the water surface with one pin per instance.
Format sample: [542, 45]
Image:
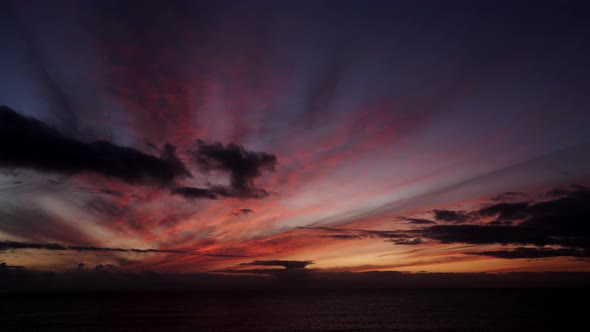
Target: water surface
[367, 310]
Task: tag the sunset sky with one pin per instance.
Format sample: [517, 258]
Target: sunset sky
[185, 136]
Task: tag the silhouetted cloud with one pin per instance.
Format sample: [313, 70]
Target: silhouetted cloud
[560, 221]
[484, 234]
[450, 216]
[28, 143]
[12, 245]
[103, 191]
[500, 222]
[194, 193]
[523, 252]
[506, 211]
[285, 264]
[408, 242]
[417, 221]
[345, 233]
[215, 192]
[243, 167]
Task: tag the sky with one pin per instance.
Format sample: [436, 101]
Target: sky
[238, 136]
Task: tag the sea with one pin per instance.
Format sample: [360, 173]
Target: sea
[552, 309]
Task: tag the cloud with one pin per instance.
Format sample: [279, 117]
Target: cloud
[344, 233]
[560, 221]
[408, 242]
[506, 211]
[103, 191]
[522, 252]
[395, 237]
[285, 264]
[242, 212]
[27, 143]
[194, 193]
[451, 216]
[483, 234]
[417, 221]
[243, 167]
[216, 192]
[12, 245]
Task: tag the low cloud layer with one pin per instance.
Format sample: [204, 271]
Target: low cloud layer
[396, 237]
[560, 222]
[417, 221]
[531, 253]
[283, 263]
[12, 245]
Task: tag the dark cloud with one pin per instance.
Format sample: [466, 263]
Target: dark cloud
[348, 234]
[215, 192]
[506, 211]
[450, 216]
[395, 237]
[484, 234]
[408, 242]
[243, 167]
[194, 193]
[565, 216]
[562, 221]
[103, 191]
[523, 252]
[500, 222]
[242, 212]
[417, 221]
[28, 143]
[285, 264]
[12, 245]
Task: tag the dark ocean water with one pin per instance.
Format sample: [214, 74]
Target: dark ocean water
[374, 310]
